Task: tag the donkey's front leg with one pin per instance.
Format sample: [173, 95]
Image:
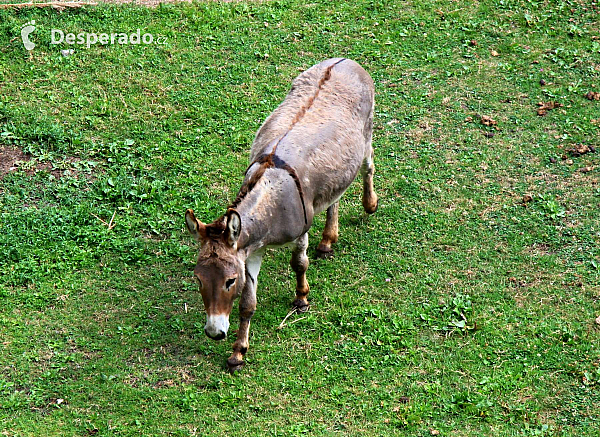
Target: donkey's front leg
[247, 307]
[299, 264]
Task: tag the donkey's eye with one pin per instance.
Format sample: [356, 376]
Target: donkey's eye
[229, 283]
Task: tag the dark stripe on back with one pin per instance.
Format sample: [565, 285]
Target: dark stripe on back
[273, 161]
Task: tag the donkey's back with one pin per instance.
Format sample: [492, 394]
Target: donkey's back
[322, 130]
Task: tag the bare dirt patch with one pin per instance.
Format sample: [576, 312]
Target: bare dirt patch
[60, 5]
[10, 159]
[13, 159]
[147, 3]
[154, 3]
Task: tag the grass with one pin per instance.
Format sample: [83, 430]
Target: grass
[465, 306]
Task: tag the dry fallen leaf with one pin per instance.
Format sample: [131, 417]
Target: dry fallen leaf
[494, 53]
[580, 149]
[585, 169]
[544, 107]
[598, 320]
[527, 198]
[488, 121]
[593, 95]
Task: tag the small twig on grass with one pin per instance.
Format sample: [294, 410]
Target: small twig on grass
[56, 5]
[294, 310]
[297, 320]
[109, 225]
[99, 219]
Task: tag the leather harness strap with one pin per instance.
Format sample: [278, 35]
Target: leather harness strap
[273, 161]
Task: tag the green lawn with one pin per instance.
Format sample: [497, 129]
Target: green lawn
[465, 306]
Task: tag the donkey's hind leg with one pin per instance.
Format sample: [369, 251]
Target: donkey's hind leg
[299, 264]
[369, 199]
[330, 233]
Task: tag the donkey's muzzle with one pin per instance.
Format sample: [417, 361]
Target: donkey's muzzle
[217, 326]
[220, 336]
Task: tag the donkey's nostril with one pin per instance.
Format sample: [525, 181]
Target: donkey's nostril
[220, 336]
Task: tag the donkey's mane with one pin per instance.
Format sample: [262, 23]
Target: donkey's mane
[216, 228]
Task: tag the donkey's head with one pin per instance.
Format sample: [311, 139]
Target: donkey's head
[220, 272]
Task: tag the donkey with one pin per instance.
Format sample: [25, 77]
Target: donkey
[303, 158]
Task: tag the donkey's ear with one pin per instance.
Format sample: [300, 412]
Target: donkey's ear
[195, 226]
[234, 226]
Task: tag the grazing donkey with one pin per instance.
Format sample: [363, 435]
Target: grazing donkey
[304, 157]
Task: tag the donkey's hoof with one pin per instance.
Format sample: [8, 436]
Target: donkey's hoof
[234, 364]
[371, 209]
[324, 251]
[301, 306]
